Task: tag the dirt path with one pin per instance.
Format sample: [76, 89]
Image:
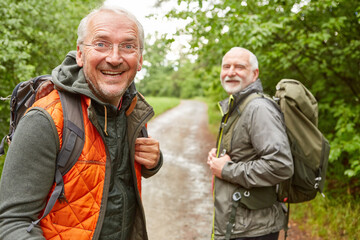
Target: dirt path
[178, 200]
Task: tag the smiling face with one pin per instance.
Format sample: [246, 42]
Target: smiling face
[109, 74]
[236, 71]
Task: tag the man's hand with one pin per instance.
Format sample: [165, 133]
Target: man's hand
[147, 152]
[216, 164]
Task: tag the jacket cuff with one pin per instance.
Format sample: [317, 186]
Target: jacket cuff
[226, 171]
[150, 172]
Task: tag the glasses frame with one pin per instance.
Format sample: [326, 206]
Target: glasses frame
[107, 50]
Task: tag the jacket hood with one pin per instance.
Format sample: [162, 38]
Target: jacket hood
[240, 96]
[68, 76]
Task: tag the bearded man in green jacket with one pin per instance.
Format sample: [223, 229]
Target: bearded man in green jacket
[252, 156]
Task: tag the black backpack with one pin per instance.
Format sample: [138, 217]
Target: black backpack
[23, 97]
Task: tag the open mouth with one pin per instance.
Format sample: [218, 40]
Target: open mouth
[112, 73]
[232, 81]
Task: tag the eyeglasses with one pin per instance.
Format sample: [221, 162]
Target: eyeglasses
[106, 47]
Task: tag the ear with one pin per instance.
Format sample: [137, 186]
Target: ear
[256, 74]
[140, 63]
[79, 60]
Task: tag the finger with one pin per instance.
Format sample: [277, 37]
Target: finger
[147, 141]
[147, 148]
[147, 162]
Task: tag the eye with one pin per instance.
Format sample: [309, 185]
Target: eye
[102, 44]
[226, 66]
[240, 66]
[129, 46]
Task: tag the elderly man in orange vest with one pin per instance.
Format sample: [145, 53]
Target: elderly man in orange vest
[102, 190]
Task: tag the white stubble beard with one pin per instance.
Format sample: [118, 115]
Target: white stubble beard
[230, 89]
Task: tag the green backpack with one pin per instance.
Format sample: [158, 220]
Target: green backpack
[310, 149]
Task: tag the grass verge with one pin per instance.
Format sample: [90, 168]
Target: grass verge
[213, 115]
[329, 218]
[162, 104]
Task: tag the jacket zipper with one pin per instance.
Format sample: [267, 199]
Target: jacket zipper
[218, 153]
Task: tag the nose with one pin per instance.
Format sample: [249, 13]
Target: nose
[114, 57]
[231, 71]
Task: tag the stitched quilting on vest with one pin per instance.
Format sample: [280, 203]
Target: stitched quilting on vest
[77, 217]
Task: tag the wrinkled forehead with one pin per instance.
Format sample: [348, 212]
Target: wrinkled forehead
[113, 21]
[236, 56]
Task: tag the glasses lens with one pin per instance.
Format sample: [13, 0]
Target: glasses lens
[128, 48]
[103, 47]
[106, 47]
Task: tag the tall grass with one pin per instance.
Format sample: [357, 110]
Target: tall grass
[329, 218]
[162, 104]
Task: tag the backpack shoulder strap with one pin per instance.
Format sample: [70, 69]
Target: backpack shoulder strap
[249, 98]
[73, 132]
[73, 143]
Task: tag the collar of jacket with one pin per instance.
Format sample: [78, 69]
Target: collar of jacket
[229, 104]
[129, 101]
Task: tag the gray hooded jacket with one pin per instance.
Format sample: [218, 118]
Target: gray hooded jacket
[260, 157]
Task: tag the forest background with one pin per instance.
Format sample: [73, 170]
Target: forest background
[316, 42]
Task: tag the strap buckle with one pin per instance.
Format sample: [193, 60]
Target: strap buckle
[236, 196]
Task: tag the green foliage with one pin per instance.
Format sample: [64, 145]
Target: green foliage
[35, 36]
[158, 70]
[168, 78]
[316, 42]
[346, 143]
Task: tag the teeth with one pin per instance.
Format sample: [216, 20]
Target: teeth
[111, 73]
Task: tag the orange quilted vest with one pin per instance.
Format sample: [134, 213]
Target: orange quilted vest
[83, 184]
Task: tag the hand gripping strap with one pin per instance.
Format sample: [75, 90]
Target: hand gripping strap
[73, 143]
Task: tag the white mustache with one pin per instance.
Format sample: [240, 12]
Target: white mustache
[236, 78]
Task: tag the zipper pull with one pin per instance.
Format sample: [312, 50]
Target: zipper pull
[223, 153]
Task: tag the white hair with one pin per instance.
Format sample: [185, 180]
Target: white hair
[252, 58]
[82, 28]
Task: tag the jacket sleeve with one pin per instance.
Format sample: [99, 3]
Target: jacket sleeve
[27, 176]
[146, 173]
[269, 160]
